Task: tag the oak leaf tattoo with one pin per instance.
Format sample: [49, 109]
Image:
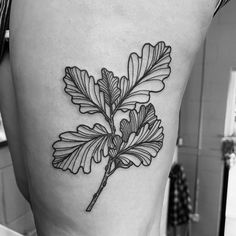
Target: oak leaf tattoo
[141, 135]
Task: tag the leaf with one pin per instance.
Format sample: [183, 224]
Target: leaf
[141, 148]
[84, 91]
[145, 74]
[76, 150]
[117, 141]
[138, 119]
[109, 86]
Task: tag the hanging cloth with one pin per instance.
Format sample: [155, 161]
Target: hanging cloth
[180, 207]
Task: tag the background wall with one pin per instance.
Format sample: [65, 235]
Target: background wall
[214, 64]
[15, 212]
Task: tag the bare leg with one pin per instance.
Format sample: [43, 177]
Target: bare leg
[46, 37]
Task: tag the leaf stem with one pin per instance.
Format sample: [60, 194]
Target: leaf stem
[107, 173]
[112, 125]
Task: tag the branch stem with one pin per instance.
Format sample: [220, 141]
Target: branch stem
[112, 125]
[107, 173]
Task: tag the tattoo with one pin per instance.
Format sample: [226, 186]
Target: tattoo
[140, 137]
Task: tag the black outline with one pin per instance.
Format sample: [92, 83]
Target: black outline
[116, 144]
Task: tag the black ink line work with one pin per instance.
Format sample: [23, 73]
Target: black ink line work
[140, 137]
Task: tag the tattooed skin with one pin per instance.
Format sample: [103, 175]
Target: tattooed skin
[141, 135]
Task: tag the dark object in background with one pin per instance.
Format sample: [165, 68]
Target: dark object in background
[227, 149]
[220, 4]
[180, 207]
[4, 24]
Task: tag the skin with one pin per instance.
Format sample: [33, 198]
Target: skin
[47, 36]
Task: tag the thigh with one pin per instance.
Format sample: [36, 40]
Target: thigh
[47, 37]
